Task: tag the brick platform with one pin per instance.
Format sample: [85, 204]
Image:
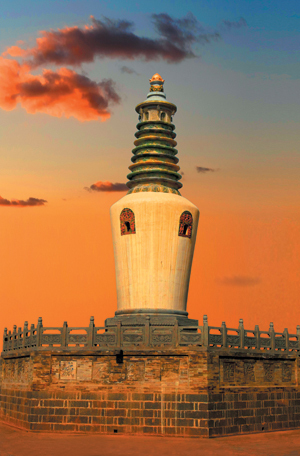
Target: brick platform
[196, 391]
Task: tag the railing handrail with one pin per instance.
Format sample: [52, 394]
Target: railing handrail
[97, 337]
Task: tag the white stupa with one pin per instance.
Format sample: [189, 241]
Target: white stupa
[154, 227]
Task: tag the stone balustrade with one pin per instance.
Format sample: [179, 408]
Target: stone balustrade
[143, 334]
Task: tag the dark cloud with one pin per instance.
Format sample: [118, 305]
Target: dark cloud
[201, 169]
[68, 93]
[183, 32]
[126, 69]
[107, 187]
[116, 40]
[57, 93]
[235, 24]
[21, 203]
[240, 281]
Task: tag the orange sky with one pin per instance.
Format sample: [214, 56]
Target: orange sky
[59, 264]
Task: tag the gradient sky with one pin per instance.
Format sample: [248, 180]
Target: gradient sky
[238, 118]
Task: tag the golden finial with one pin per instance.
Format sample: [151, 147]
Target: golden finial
[156, 77]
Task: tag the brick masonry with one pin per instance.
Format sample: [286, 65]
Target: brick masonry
[181, 392]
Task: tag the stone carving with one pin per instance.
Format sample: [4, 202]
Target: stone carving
[215, 339]
[77, 338]
[249, 372]
[100, 370]
[250, 342]
[269, 372]
[185, 224]
[84, 370]
[68, 370]
[280, 342]
[187, 338]
[104, 339]
[170, 371]
[228, 371]
[233, 340]
[264, 342]
[17, 371]
[136, 370]
[164, 338]
[286, 372]
[127, 221]
[133, 338]
[51, 339]
[293, 343]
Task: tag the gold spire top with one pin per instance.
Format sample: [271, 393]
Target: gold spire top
[156, 77]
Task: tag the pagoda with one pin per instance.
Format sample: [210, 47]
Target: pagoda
[154, 228]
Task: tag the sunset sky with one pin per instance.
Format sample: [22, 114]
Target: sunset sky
[71, 74]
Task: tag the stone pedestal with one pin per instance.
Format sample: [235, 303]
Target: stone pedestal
[184, 391]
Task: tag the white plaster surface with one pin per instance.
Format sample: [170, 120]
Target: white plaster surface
[153, 266]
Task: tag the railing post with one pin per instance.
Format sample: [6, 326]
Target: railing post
[242, 333]
[205, 331]
[256, 330]
[5, 340]
[224, 335]
[14, 342]
[176, 333]
[272, 336]
[25, 334]
[298, 335]
[19, 339]
[91, 331]
[39, 330]
[147, 331]
[286, 335]
[119, 324]
[64, 334]
[31, 334]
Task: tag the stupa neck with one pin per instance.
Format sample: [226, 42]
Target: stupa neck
[155, 167]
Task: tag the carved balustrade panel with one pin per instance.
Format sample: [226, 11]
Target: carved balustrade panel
[77, 339]
[161, 336]
[215, 339]
[264, 342]
[280, 342]
[233, 340]
[133, 336]
[189, 338]
[51, 339]
[294, 344]
[106, 339]
[249, 341]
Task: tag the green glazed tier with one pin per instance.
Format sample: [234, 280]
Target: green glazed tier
[154, 167]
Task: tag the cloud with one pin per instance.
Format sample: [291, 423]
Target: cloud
[201, 169]
[126, 69]
[65, 92]
[240, 281]
[235, 24]
[107, 187]
[115, 39]
[21, 203]
[58, 93]
[183, 32]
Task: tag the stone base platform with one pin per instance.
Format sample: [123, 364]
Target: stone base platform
[199, 392]
[150, 374]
